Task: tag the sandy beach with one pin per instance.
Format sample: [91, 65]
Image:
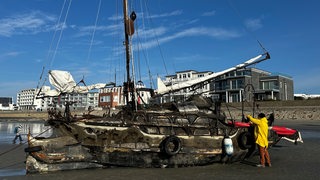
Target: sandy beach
[287, 159]
[301, 115]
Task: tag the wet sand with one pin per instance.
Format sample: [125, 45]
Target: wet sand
[289, 161]
[12, 156]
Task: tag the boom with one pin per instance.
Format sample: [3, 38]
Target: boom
[163, 89]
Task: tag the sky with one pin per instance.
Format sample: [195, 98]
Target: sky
[85, 37]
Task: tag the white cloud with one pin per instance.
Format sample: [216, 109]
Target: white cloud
[173, 13]
[253, 24]
[10, 54]
[88, 30]
[163, 15]
[13, 53]
[209, 13]
[150, 32]
[217, 33]
[28, 23]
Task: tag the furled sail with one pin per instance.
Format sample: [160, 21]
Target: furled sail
[163, 89]
[64, 83]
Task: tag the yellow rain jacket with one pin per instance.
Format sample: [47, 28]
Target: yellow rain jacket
[260, 130]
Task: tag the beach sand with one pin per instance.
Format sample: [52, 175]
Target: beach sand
[12, 159]
[284, 156]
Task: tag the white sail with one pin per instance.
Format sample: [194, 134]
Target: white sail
[64, 83]
[163, 89]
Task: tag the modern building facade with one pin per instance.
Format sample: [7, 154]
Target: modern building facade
[236, 86]
[252, 84]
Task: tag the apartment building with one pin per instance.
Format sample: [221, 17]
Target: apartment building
[27, 100]
[252, 84]
[236, 86]
[77, 101]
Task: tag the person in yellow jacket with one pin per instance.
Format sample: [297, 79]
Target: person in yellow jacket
[261, 138]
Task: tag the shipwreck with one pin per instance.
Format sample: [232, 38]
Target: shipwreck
[189, 133]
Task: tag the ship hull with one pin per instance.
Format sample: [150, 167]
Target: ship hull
[99, 144]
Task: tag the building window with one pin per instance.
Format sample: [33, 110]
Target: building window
[234, 98]
[105, 99]
[239, 73]
[240, 83]
[266, 85]
[236, 84]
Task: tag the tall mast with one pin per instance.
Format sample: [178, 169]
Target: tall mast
[126, 43]
[128, 31]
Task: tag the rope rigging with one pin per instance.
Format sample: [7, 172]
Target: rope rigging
[7, 151]
[61, 32]
[94, 31]
[58, 26]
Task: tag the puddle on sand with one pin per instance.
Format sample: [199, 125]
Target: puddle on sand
[310, 134]
[36, 128]
[12, 172]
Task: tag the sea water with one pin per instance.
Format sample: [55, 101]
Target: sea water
[37, 128]
[9, 164]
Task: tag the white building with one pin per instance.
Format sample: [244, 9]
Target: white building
[183, 76]
[78, 101]
[27, 100]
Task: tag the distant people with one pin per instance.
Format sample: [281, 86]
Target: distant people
[261, 138]
[17, 131]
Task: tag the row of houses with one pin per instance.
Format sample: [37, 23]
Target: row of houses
[236, 86]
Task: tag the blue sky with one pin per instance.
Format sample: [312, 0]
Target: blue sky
[202, 35]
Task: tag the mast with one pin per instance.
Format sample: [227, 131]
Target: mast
[128, 31]
[126, 43]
